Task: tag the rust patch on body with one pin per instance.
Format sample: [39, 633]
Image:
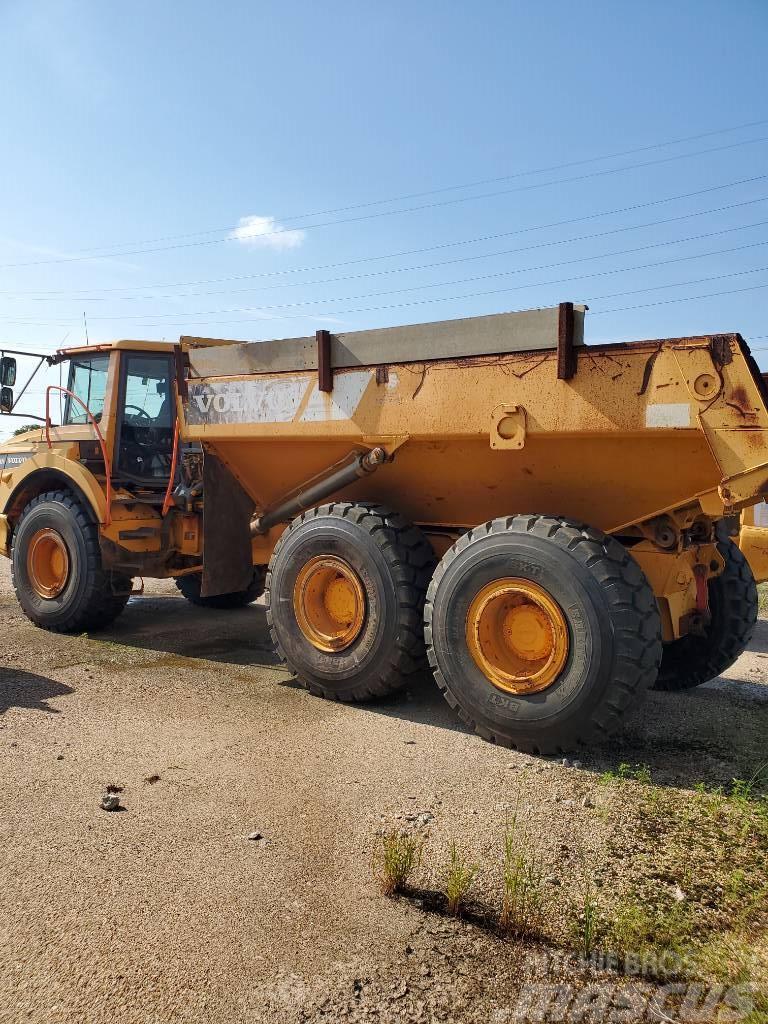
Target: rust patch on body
[739, 400]
[648, 370]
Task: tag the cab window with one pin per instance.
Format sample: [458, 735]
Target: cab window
[147, 392]
[146, 427]
[87, 380]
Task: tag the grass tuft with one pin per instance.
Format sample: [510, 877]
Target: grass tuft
[522, 902]
[589, 922]
[627, 773]
[395, 861]
[460, 877]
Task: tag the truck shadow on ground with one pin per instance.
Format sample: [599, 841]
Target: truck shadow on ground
[710, 734]
[27, 690]
[172, 626]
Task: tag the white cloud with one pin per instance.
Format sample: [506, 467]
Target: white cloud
[266, 233]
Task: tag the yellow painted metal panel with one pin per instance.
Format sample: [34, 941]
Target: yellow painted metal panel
[640, 429]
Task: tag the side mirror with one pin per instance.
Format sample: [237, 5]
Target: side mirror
[7, 371]
[6, 400]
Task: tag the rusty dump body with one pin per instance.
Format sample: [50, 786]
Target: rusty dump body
[640, 430]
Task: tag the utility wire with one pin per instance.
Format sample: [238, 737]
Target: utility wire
[438, 284]
[404, 197]
[521, 270]
[449, 245]
[388, 213]
[447, 298]
[422, 302]
[461, 259]
[521, 174]
[687, 298]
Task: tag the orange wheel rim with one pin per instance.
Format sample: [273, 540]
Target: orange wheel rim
[47, 563]
[329, 603]
[517, 635]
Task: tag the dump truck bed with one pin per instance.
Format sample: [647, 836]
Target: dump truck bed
[633, 430]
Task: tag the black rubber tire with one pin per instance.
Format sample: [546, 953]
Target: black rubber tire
[189, 587]
[613, 624]
[693, 660]
[394, 562]
[93, 597]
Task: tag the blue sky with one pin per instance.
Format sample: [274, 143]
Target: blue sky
[192, 129]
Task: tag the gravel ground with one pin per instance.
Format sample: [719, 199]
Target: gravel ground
[165, 911]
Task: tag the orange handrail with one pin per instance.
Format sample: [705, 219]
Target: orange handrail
[168, 499]
[92, 418]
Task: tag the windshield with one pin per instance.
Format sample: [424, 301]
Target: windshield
[87, 380]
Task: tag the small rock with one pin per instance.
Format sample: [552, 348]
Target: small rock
[577, 764]
[566, 762]
[59, 757]
[152, 779]
[257, 837]
[678, 894]
[110, 801]
[587, 801]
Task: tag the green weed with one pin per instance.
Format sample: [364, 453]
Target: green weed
[395, 861]
[460, 877]
[522, 903]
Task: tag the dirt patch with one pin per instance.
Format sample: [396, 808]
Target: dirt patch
[168, 912]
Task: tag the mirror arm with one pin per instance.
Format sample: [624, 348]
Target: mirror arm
[20, 395]
[26, 416]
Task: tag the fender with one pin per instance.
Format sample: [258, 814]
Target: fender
[46, 469]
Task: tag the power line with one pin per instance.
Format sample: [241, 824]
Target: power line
[462, 259]
[687, 298]
[389, 213]
[522, 174]
[422, 302]
[449, 245]
[438, 284]
[403, 197]
[451, 298]
[521, 270]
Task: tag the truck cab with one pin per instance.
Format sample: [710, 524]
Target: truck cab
[86, 502]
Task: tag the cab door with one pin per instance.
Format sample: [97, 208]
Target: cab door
[146, 418]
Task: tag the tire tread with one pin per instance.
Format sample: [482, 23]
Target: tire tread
[411, 558]
[100, 604]
[629, 596]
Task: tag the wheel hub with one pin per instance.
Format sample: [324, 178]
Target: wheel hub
[47, 563]
[329, 603]
[517, 635]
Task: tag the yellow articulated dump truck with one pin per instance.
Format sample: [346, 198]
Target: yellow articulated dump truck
[539, 520]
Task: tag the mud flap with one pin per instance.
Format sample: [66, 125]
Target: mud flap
[227, 512]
